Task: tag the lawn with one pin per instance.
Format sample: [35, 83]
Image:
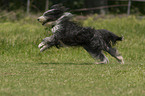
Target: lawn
[24, 71]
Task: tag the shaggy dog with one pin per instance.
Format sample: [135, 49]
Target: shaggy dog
[66, 32]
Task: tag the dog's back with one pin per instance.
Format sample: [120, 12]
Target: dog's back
[72, 34]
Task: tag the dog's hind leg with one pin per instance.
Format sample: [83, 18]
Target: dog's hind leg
[103, 59]
[113, 52]
[97, 54]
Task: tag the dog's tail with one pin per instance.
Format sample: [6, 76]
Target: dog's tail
[114, 38]
[109, 37]
[120, 38]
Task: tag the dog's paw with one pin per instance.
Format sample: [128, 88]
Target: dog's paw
[101, 62]
[120, 59]
[42, 47]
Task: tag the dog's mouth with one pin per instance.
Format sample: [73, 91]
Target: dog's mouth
[48, 22]
[43, 23]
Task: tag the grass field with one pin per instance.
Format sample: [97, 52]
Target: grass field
[24, 71]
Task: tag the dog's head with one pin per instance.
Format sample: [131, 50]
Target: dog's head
[53, 14]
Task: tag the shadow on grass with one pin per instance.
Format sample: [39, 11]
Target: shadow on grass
[69, 63]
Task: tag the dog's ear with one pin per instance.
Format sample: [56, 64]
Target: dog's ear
[55, 11]
[59, 7]
[56, 6]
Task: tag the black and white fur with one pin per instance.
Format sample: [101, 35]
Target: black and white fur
[69, 33]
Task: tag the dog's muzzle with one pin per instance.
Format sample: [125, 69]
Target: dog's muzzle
[41, 19]
[45, 21]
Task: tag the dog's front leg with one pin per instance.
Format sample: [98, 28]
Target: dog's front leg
[46, 43]
[44, 47]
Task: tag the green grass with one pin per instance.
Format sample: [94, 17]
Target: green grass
[24, 71]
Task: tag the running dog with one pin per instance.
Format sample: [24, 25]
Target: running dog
[67, 32]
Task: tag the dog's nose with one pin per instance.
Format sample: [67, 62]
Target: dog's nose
[38, 19]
